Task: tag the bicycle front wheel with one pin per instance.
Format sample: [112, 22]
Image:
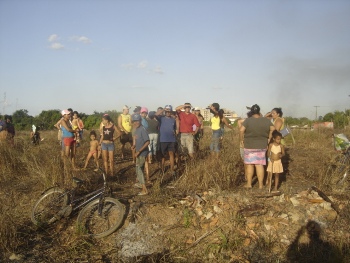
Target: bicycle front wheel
[99, 225]
[50, 207]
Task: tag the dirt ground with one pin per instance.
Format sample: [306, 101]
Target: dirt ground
[238, 225]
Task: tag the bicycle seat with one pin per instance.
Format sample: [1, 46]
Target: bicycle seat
[77, 180]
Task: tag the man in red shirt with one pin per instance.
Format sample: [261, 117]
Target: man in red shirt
[187, 128]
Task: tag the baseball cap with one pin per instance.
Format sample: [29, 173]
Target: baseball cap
[136, 117]
[144, 109]
[168, 108]
[64, 112]
[125, 107]
[187, 104]
[197, 108]
[137, 109]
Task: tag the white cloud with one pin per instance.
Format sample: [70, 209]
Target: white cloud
[142, 64]
[158, 70]
[81, 39]
[56, 46]
[52, 38]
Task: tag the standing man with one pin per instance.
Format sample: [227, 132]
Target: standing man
[187, 120]
[124, 124]
[167, 128]
[140, 146]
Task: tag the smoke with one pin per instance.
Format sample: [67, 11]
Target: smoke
[302, 84]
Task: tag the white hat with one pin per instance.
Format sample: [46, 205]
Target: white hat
[197, 108]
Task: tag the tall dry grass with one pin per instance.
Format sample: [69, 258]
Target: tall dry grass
[27, 170]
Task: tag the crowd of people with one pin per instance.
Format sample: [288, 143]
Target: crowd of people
[157, 135]
[166, 130]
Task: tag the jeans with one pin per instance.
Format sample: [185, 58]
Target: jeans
[140, 163]
[153, 141]
[215, 141]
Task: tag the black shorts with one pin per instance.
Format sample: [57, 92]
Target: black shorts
[126, 137]
[167, 147]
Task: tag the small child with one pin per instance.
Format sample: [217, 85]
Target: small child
[275, 152]
[93, 150]
[75, 126]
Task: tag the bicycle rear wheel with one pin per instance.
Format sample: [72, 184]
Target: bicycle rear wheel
[337, 172]
[100, 225]
[50, 207]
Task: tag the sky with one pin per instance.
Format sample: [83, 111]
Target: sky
[99, 55]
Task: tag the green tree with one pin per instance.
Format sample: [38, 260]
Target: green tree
[47, 119]
[22, 120]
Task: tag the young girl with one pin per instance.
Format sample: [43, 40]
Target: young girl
[93, 150]
[275, 153]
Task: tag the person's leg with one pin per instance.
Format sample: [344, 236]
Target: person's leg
[189, 144]
[140, 162]
[171, 159]
[147, 169]
[96, 161]
[249, 175]
[87, 160]
[215, 147]
[277, 179]
[260, 174]
[122, 150]
[105, 160]
[73, 153]
[110, 161]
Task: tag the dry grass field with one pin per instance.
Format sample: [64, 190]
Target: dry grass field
[187, 235]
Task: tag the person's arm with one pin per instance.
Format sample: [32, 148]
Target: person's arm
[142, 148]
[116, 133]
[213, 109]
[80, 124]
[269, 150]
[180, 107]
[278, 124]
[282, 151]
[268, 115]
[272, 128]
[241, 136]
[159, 112]
[57, 125]
[177, 126]
[120, 125]
[64, 124]
[224, 120]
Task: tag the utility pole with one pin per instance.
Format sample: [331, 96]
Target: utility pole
[316, 111]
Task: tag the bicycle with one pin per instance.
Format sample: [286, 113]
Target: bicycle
[99, 214]
[339, 168]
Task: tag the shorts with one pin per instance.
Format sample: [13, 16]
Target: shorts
[187, 141]
[255, 156]
[167, 147]
[126, 137]
[107, 147]
[68, 141]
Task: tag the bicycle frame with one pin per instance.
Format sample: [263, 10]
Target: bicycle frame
[77, 203]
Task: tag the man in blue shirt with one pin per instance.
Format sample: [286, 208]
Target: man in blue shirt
[167, 139]
[140, 145]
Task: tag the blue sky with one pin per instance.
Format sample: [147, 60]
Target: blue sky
[100, 55]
